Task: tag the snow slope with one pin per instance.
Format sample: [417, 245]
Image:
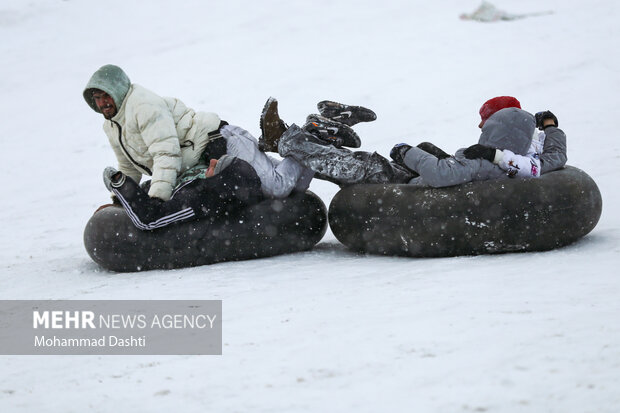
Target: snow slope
[325, 330]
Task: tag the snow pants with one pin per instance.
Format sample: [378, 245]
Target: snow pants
[340, 165]
[278, 178]
[235, 188]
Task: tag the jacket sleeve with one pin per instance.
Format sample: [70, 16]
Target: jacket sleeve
[554, 150]
[159, 133]
[441, 172]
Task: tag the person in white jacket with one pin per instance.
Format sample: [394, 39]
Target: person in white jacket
[150, 135]
[162, 138]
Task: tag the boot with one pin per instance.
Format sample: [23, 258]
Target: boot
[349, 115]
[271, 126]
[336, 133]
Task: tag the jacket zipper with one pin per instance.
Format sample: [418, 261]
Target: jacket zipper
[120, 134]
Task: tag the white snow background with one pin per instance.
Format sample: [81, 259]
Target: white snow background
[326, 330]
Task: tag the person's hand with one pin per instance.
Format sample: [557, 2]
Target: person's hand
[545, 119]
[399, 151]
[211, 169]
[478, 151]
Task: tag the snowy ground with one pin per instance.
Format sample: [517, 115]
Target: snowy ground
[326, 330]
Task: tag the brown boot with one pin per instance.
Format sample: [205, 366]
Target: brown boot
[271, 126]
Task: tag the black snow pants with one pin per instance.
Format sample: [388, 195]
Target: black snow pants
[226, 193]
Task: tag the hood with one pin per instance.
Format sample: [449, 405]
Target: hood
[509, 128]
[112, 80]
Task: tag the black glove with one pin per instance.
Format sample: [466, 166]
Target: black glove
[398, 152]
[146, 186]
[478, 151]
[544, 115]
[434, 150]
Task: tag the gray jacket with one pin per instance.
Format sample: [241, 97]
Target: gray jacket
[554, 150]
[509, 128]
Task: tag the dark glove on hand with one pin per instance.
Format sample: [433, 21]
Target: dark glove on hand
[398, 152]
[478, 151]
[434, 150]
[544, 115]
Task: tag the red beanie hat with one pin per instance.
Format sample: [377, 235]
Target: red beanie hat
[498, 103]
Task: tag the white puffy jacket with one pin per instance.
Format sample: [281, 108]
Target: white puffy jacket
[158, 136]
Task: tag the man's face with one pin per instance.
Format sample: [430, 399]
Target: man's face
[105, 103]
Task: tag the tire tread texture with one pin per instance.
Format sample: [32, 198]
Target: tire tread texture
[269, 228]
[483, 217]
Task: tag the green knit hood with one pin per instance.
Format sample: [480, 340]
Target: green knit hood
[112, 80]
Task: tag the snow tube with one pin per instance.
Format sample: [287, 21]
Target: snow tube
[476, 218]
[269, 228]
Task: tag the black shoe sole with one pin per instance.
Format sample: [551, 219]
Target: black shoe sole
[349, 115]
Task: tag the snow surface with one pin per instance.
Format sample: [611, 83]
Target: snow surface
[326, 330]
